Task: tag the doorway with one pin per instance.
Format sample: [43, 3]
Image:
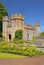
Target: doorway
[9, 36]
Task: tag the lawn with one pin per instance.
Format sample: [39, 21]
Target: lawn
[6, 55]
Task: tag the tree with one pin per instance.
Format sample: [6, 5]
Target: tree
[3, 12]
[41, 34]
[18, 34]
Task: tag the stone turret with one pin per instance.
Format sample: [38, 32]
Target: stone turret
[5, 19]
[17, 23]
[6, 27]
[19, 20]
[11, 25]
[37, 28]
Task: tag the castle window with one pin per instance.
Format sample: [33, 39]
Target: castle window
[9, 23]
[28, 37]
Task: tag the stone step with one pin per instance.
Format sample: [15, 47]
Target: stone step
[39, 41]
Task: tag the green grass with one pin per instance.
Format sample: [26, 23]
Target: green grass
[6, 55]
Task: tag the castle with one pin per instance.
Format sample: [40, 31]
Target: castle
[16, 22]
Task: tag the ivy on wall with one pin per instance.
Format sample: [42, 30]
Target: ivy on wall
[18, 34]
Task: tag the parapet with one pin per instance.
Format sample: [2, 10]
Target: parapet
[37, 23]
[29, 27]
[17, 17]
[6, 18]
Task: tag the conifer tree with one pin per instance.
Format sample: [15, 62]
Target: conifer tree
[3, 12]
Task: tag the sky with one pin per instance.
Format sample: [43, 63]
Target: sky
[33, 10]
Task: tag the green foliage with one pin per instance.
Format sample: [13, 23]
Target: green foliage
[18, 34]
[18, 37]
[18, 41]
[22, 50]
[4, 55]
[41, 34]
[21, 41]
[1, 39]
[0, 34]
[3, 12]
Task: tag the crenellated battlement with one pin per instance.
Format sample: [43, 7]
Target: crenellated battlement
[37, 23]
[6, 18]
[17, 17]
[29, 27]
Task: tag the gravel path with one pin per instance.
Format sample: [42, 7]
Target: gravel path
[26, 61]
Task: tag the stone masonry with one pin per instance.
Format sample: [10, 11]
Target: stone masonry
[16, 22]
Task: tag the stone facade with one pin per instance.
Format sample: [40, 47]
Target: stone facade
[16, 22]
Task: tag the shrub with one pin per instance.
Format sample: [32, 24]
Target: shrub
[22, 50]
[16, 41]
[18, 34]
[1, 39]
[21, 41]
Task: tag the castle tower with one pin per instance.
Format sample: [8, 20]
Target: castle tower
[17, 21]
[5, 19]
[37, 29]
[6, 28]
[11, 25]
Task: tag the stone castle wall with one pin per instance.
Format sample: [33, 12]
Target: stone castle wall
[17, 22]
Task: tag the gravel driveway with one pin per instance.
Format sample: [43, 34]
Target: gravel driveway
[26, 61]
